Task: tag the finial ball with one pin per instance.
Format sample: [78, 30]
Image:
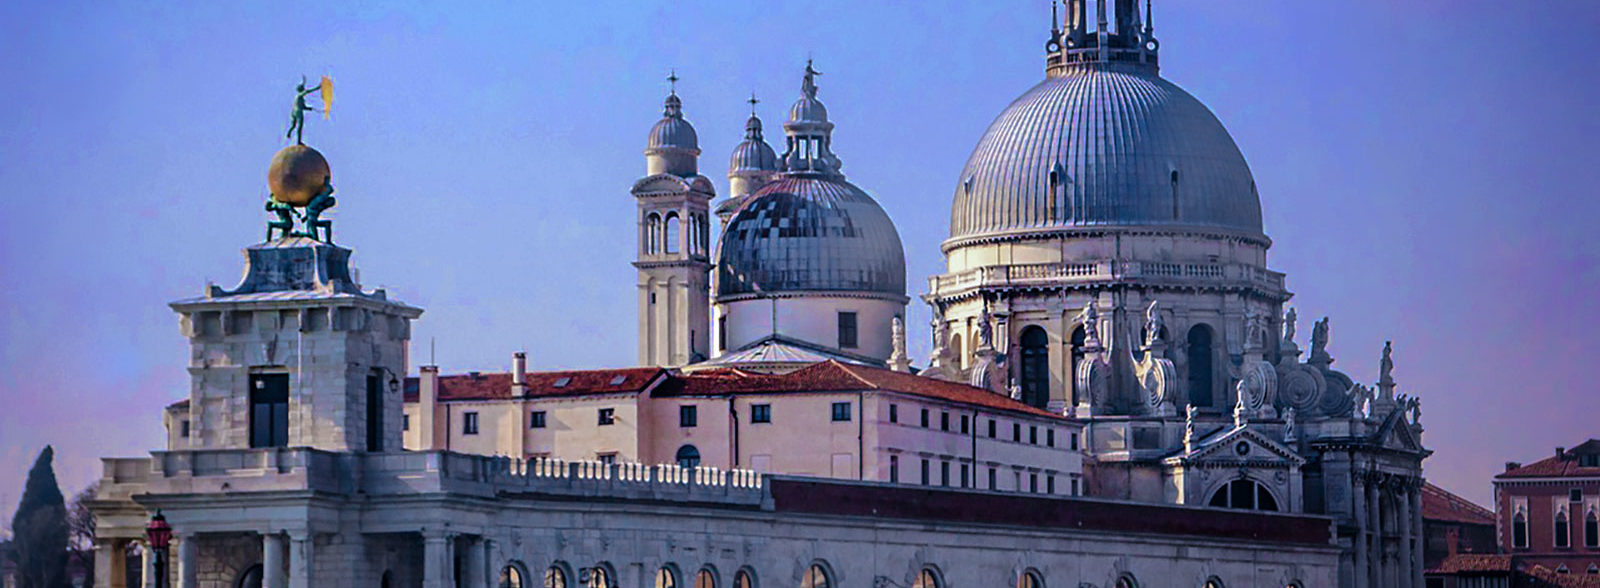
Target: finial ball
[297, 174]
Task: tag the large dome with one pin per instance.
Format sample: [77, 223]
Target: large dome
[1105, 145]
[810, 232]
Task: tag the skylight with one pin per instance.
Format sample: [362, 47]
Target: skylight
[618, 380]
[562, 383]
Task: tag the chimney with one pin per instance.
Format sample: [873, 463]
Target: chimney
[428, 406]
[1511, 465]
[1561, 453]
[519, 377]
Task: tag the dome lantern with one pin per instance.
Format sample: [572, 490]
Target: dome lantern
[1120, 40]
[673, 147]
[809, 133]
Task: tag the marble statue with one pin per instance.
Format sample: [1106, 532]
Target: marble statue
[1089, 317]
[1386, 363]
[1239, 411]
[1152, 323]
[1319, 338]
[985, 329]
[1289, 318]
[1289, 434]
[1189, 415]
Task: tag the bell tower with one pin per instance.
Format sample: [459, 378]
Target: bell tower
[673, 258]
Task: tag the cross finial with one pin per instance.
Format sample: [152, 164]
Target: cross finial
[753, 102]
[673, 78]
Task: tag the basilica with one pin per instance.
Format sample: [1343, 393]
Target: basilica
[1116, 396]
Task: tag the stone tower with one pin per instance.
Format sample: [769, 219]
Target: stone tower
[674, 243]
[297, 355]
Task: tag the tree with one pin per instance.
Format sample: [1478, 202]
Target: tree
[80, 530]
[40, 528]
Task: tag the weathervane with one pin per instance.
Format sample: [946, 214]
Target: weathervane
[299, 176]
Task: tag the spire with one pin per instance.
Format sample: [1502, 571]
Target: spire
[1149, 20]
[673, 107]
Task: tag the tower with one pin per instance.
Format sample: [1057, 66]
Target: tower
[674, 244]
[296, 355]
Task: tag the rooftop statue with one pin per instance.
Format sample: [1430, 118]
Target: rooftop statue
[1386, 364]
[1289, 318]
[1152, 323]
[1090, 319]
[808, 85]
[1319, 337]
[297, 117]
[299, 177]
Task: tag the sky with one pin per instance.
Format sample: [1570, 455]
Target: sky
[1426, 168]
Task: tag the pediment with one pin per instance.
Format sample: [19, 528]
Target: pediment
[661, 184]
[1239, 446]
[1396, 435]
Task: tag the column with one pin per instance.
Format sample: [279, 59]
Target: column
[271, 560]
[188, 566]
[1375, 526]
[436, 564]
[1402, 522]
[1358, 511]
[474, 573]
[103, 550]
[1417, 556]
[302, 548]
[147, 567]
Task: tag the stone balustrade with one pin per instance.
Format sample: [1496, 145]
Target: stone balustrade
[289, 469]
[1088, 272]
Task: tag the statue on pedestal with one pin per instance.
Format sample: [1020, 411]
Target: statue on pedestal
[299, 177]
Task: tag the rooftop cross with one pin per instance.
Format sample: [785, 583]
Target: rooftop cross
[753, 102]
[673, 78]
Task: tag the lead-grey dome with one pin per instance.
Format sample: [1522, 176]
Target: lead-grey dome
[810, 232]
[753, 154]
[672, 131]
[1105, 145]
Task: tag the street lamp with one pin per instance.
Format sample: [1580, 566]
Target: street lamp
[159, 536]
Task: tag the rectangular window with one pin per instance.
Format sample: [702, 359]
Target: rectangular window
[964, 424]
[1016, 432]
[894, 469]
[606, 458]
[992, 478]
[536, 420]
[1573, 495]
[405, 422]
[894, 413]
[841, 411]
[760, 413]
[1050, 484]
[965, 475]
[1074, 438]
[924, 471]
[847, 330]
[944, 421]
[688, 416]
[374, 412]
[944, 473]
[1050, 437]
[722, 333]
[1074, 486]
[1033, 435]
[1033, 483]
[607, 416]
[991, 428]
[469, 423]
[269, 410]
[924, 418]
[184, 429]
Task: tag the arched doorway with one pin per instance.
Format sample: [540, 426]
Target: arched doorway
[1078, 339]
[251, 578]
[688, 457]
[1035, 367]
[1200, 372]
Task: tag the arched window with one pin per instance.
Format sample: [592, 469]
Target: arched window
[511, 576]
[600, 577]
[1563, 530]
[744, 578]
[1245, 494]
[673, 229]
[1078, 338]
[816, 577]
[1035, 367]
[705, 234]
[1200, 376]
[1213, 582]
[927, 578]
[956, 351]
[1591, 530]
[251, 578]
[667, 576]
[652, 234]
[1030, 579]
[705, 578]
[688, 457]
[1126, 581]
[1519, 530]
[555, 576]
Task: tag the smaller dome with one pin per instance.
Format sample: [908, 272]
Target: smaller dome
[808, 110]
[754, 154]
[672, 131]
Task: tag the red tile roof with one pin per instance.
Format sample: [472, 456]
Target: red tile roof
[1565, 466]
[834, 376]
[1474, 563]
[1439, 504]
[480, 386]
[1571, 579]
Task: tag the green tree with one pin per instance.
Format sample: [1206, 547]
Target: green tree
[39, 529]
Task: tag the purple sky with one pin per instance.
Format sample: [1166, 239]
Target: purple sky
[1427, 170]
